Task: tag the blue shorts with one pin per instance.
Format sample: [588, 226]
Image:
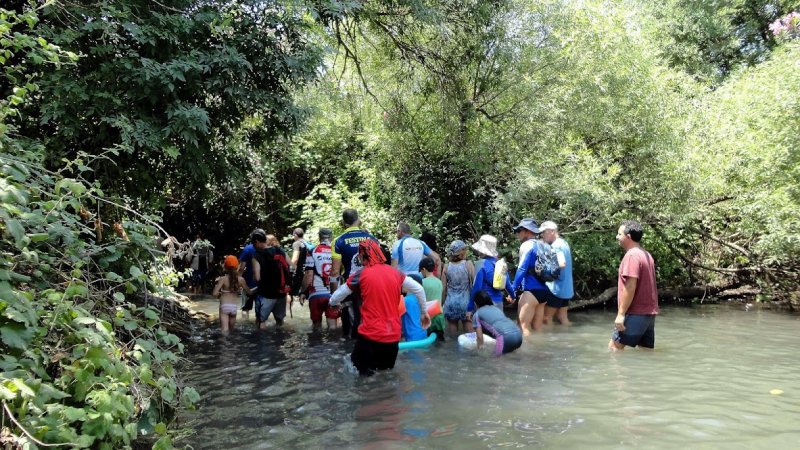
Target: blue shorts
[266, 306]
[639, 330]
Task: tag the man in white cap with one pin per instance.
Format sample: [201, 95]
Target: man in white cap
[535, 293]
[562, 288]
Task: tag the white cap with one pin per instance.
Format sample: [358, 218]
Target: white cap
[548, 225]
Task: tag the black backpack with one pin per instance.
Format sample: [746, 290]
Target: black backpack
[546, 267]
[299, 270]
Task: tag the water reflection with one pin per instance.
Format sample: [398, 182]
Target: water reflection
[707, 385]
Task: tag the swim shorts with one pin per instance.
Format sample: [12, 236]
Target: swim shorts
[319, 305]
[543, 295]
[265, 306]
[639, 330]
[507, 343]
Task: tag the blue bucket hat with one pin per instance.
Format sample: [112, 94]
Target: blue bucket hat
[529, 224]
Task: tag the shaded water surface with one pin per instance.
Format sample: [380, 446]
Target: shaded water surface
[707, 385]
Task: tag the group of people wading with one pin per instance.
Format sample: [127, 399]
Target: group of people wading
[378, 295]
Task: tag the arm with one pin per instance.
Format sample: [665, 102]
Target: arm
[409, 285]
[479, 337]
[443, 278]
[341, 293]
[396, 254]
[336, 266]
[244, 286]
[295, 255]
[522, 270]
[476, 287]
[511, 293]
[256, 270]
[624, 301]
[218, 287]
[436, 260]
[308, 277]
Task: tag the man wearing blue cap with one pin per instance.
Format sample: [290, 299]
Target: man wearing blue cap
[535, 293]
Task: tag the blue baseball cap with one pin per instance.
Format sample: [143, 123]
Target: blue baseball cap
[529, 224]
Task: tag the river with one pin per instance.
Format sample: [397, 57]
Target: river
[720, 376]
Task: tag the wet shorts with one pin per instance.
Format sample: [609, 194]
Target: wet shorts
[557, 302]
[369, 356]
[318, 306]
[507, 343]
[266, 306]
[543, 295]
[639, 330]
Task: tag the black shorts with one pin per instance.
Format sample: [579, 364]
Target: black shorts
[558, 302]
[639, 330]
[543, 295]
[369, 356]
[248, 303]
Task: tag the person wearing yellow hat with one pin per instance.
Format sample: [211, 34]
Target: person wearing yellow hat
[228, 289]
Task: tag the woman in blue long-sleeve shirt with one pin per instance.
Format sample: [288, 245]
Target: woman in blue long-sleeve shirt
[535, 293]
[487, 246]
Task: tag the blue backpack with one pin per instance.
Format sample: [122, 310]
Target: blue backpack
[546, 267]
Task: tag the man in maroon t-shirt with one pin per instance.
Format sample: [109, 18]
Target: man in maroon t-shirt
[380, 286]
[637, 296]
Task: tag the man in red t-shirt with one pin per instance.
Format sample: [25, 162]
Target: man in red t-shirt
[380, 286]
[637, 296]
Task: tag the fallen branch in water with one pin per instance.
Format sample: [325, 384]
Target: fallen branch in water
[721, 291]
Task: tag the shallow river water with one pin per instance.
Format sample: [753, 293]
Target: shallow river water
[720, 377]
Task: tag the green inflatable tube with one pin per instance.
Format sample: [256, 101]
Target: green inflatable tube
[418, 344]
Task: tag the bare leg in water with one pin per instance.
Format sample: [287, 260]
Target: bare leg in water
[527, 310]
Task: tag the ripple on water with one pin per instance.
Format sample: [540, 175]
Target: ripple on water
[706, 386]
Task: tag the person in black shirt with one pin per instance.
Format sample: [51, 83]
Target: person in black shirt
[271, 272]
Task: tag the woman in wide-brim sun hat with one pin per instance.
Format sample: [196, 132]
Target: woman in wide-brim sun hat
[486, 245]
[484, 279]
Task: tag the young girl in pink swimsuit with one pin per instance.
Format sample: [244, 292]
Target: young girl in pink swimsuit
[228, 290]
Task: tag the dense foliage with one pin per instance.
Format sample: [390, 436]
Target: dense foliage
[475, 115]
[84, 363]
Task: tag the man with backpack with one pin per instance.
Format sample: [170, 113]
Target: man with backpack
[300, 251]
[532, 273]
[271, 272]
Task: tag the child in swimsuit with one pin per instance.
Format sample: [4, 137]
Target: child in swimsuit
[491, 320]
[228, 289]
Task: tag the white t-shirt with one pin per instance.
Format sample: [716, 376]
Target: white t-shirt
[320, 261]
[411, 254]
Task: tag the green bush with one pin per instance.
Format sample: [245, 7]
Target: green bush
[83, 364]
